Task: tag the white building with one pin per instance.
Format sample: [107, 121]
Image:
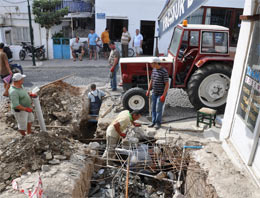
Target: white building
[134, 14]
[215, 12]
[241, 125]
[14, 23]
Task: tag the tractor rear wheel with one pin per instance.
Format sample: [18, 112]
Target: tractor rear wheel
[208, 86]
[135, 99]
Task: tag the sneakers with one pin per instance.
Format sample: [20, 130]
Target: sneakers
[151, 125]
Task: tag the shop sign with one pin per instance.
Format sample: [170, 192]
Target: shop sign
[177, 11]
[101, 15]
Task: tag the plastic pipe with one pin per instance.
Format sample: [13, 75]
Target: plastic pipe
[193, 147]
[39, 115]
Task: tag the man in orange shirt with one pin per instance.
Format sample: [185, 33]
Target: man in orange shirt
[105, 40]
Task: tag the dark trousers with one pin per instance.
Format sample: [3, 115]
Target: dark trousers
[124, 50]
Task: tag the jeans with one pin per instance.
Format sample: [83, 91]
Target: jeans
[157, 107]
[113, 81]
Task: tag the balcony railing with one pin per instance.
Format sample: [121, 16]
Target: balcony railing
[76, 6]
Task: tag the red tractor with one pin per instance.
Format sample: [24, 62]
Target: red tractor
[198, 61]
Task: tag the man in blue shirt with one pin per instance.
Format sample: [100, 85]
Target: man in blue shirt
[92, 44]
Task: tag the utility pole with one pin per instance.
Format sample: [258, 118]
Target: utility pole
[31, 32]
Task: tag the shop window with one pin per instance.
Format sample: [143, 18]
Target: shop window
[249, 103]
[196, 17]
[218, 16]
[214, 42]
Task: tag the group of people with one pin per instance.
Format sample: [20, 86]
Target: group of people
[77, 47]
[116, 130]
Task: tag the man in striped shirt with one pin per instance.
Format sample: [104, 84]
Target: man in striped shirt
[125, 39]
[160, 84]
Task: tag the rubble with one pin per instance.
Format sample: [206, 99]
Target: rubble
[29, 153]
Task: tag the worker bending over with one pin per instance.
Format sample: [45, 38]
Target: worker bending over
[116, 130]
[95, 97]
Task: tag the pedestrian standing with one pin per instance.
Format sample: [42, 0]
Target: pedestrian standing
[105, 40]
[95, 97]
[77, 47]
[21, 104]
[160, 84]
[138, 42]
[116, 130]
[113, 62]
[92, 44]
[5, 69]
[125, 39]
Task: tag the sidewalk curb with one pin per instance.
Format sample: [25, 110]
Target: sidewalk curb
[63, 67]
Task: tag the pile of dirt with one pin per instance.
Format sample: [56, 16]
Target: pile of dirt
[29, 153]
[60, 103]
[65, 105]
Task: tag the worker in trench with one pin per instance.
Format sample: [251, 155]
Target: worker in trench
[21, 104]
[116, 130]
[95, 97]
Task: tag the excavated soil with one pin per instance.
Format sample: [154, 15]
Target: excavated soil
[26, 154]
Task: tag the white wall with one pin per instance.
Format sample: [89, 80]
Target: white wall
[133, 10]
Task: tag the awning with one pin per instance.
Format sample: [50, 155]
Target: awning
[175, 11]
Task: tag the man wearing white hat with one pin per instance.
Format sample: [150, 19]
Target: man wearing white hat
[160, 84]
[21, 104]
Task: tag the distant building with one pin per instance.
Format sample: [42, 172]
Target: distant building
[133, 14]
[14, 23]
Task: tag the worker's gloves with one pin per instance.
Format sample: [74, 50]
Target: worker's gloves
[123, 135]
[147, 93]
[162, 98]
[112, 69]
[28, 109]
[33, 95]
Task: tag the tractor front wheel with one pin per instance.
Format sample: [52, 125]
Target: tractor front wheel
[135, 99]
[209, 85]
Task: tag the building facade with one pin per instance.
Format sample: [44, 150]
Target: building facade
[133, 14]
[14, 24]
[213, 12]
[241, 125]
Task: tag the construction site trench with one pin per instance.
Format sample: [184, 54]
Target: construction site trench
[66, 161]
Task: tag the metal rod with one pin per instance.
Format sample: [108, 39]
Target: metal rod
[63, 78]
[127, 177]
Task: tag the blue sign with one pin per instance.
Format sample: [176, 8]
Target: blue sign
[101, 15]
[177, 11]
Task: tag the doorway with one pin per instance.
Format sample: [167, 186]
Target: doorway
[148, 30]
[115, 27]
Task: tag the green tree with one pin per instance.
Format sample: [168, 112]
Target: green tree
[48, 13]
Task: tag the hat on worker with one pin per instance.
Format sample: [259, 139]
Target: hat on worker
[18, 76]
[155, 60]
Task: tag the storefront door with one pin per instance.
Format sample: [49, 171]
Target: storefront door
[245, 132]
